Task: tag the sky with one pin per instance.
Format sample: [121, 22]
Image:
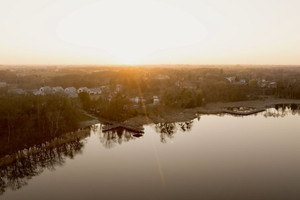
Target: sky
[51, 32]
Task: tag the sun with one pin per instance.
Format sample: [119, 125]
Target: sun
[130, 32]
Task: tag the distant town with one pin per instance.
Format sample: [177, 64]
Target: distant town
[154, 82]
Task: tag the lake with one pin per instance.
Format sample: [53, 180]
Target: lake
[212, 157]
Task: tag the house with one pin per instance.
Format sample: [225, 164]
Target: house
[104, 88]
[155, 100]
[178, 83]
[17, 91]
[263, 83]
[3, 84]
[272, 85]
[46, 90]
[71, 92]
[94, 91]
[36, 92]
[230, 79]
[82, 89]
[136, 100]
[242, 81]
[71, 89]
[58, 89]
[118, 87]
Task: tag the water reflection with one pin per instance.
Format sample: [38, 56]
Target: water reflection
[168, 130]
[281, 110]
[27, 165]
[186, 126]
[17, 174]
[114, 137]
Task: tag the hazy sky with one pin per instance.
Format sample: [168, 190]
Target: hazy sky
[150, 32]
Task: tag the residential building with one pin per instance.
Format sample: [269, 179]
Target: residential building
[156, 100]
[94, 91]
[82, 89]
[17, 91]
[71, 92]
[46, 90]
[3, 84]
[58, 89]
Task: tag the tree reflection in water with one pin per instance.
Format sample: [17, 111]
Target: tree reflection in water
[168, 130]
[186, 126]
[115, 136]
[15, 175]
[281, 110]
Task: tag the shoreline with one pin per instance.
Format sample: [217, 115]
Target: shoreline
[57, 141]
[163, 115]
[169, 115]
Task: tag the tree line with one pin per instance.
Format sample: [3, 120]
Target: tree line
[39, 118]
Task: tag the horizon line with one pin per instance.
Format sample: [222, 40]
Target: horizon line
[138, 65]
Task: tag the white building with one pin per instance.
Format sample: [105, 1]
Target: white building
[71, 89]
[58, 89]
[94, 91]
[243, 81]
[230, 79]
[118, 87]
[82, 89]
[263, 83]
[17, 91]
[46, 90]
[71, 92]
[272, 85]
[105, 88]
[36, 92]
[135, 100]
[155, 100]
[3, 84]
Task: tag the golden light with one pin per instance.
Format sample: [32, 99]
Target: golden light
[130, 31]
[149, 32]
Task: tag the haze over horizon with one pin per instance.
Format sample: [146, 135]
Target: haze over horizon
[149, 32]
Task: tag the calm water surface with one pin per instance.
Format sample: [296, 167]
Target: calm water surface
[215, 157]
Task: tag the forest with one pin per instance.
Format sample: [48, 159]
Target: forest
[34, 119]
